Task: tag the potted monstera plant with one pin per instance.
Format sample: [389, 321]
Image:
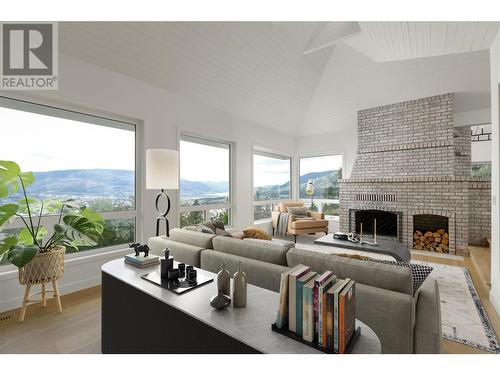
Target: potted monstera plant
[40, 257]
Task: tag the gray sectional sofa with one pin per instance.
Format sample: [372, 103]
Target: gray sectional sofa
[405, 323]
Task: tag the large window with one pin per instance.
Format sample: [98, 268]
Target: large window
[205, 186]
[325, 172]
[271, 182]
[73, 155]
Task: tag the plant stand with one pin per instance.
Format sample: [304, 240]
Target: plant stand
[44, 268]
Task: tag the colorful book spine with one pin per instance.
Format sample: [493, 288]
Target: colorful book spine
[282, 315]
[329, 320]
[299, 306]
[292, 297]
[308, 311]
[341, 324]
[336, 293]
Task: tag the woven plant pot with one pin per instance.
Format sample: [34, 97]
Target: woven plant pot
[45, 267]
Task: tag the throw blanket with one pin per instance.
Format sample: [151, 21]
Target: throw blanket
[282, 225]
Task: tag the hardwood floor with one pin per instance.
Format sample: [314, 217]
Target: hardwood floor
[78, 328]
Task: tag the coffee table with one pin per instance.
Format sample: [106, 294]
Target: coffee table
[141, 317]
[395, 249]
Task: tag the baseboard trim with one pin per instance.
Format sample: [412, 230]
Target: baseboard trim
[15, 303]
[495, 301]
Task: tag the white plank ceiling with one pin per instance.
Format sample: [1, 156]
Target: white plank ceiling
[391, 41]
[259, 71]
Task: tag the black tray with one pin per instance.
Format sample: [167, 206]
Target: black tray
[177, 287]
[314, 344]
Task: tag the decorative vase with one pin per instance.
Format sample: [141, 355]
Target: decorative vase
[220, 301]
[240, 288]
[224, 281]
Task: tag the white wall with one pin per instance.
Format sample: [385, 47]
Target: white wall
[89, 88]
[341, 142]
[495, 182]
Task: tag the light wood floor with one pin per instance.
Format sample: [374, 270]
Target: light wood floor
[78, 328]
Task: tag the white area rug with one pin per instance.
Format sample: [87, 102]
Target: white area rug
[463, 316]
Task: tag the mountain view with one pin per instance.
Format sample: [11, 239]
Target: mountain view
[325, 186]
[116, 189]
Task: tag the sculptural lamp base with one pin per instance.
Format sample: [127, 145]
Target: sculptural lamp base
[162, 215]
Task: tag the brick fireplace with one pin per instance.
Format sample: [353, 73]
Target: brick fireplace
[412, 172]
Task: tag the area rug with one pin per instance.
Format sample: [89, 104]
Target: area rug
[463, 316]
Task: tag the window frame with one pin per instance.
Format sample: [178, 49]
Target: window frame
[73, 113]
[276, 155]
[205, 208]
[319, 155]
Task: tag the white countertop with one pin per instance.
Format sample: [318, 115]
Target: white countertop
[250, 325]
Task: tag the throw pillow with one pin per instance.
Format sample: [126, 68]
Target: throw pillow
[419, 272]
[214, 224]
[298, 211]
[220, 232]
[204, 229]
[193, 228]
[354, 256]
[256, 232]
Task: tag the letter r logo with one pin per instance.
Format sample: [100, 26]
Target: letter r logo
[27, 49]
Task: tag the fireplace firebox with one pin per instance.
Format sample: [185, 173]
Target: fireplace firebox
[388, 222]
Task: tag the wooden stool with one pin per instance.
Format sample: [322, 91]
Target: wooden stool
[44, 268]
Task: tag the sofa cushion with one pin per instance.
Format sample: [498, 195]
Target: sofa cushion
[266, 251]
[297, 211]
[181, 252]
[398, 279]
[304, 224]
[192, 238]
[283, 206]
[262, 274]
[256, 232]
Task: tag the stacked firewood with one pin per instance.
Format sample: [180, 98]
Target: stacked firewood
[433, 241]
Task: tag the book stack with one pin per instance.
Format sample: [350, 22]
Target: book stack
[142, 261]
[319, 308]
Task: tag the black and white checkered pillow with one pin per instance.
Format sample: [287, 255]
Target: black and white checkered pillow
[419, 272]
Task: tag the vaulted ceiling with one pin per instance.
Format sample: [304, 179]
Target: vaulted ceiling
[297, 77]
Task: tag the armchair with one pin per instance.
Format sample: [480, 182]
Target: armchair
[314, 223]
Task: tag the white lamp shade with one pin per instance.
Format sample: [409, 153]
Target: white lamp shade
[310, 187]
[162, 169]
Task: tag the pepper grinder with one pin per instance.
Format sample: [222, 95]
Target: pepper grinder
[240, 288]
[166, 263]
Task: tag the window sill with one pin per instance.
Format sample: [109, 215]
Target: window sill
[10, 272]
[262, 221]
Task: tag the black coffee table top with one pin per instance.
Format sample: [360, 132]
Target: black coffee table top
[397, 250]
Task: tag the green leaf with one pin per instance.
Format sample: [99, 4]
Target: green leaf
[7, 213]
[52, 205]
[9, 178]
[21, 255]
[81, 231]
[92, 216]
[35, 205]
[25, 237]
[6, 244]
[27, 177]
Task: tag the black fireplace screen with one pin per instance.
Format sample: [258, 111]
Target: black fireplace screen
[387, 222]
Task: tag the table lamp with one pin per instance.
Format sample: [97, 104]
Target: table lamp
[162, 172]
[310, 190]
